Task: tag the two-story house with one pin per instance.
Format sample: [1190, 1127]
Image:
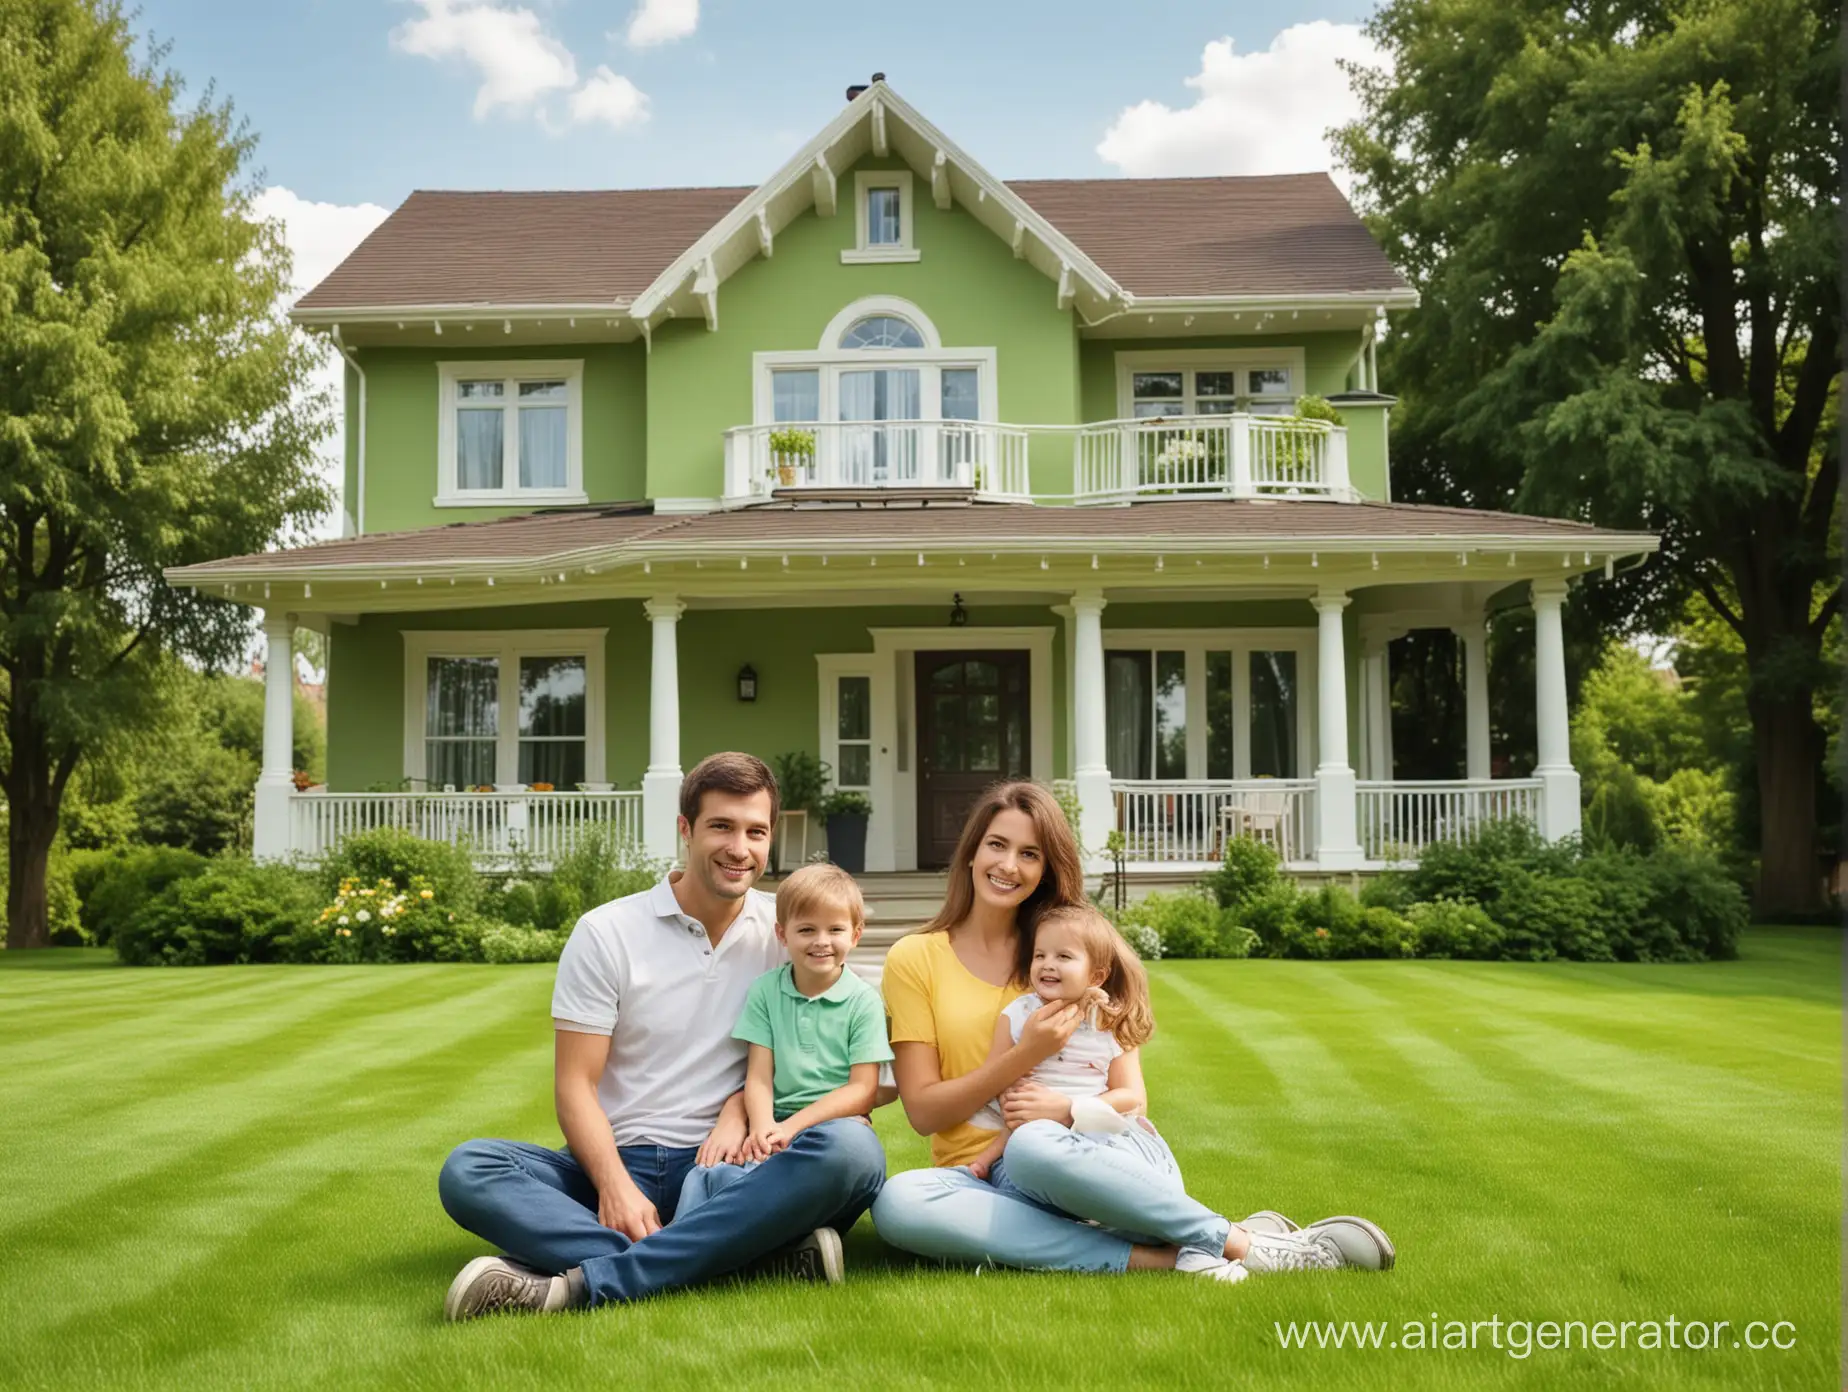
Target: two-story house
[942, 478]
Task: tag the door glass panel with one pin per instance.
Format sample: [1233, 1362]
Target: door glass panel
[982, 676]
[1170, 715]
[946, 733]
[1126, 714]
[853, 753]
[961, 397]
[795, 395]
[1219, 715]
[879, 452]
[856, 708]
[1273, 715]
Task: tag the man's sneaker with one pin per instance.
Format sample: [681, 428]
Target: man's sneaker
[1197, 1261]
[1362, 1243]
[1307, 1250]
[491, 1284]
[1268, 1220]
[817, 1257]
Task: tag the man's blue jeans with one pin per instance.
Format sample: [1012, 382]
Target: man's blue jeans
[538, 1206]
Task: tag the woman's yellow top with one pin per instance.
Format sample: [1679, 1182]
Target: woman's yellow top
[932, 998]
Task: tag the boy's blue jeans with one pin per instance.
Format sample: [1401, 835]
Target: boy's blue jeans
[538, 1206]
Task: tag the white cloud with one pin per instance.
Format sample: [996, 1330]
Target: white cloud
[662, 21]
[610, 98]
[320, 237]
[520, 65]
[1256, 113]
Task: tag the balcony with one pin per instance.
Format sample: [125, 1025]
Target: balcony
[1232, 456]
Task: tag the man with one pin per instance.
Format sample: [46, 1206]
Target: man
[648, 1081]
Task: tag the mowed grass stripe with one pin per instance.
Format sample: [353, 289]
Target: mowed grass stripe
[288, 1234]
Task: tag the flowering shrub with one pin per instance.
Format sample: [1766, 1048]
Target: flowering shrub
[383, 922]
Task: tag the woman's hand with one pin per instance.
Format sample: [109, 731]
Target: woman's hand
[1049, 1029]
[1030, 1101]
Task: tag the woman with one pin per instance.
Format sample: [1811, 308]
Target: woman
[945, 986]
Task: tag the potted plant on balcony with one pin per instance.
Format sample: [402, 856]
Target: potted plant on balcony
[791, 449]
[1180, 462]
[1302, 440]
[847, 813]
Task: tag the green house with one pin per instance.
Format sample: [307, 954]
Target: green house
[940, 478]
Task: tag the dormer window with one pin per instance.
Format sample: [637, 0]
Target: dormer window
[882, 217]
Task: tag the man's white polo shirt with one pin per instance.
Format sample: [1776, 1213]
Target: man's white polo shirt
[641, 971]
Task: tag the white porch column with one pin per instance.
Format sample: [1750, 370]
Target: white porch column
[661, 783]
[1475, 640]
[1337, 842]
[1559, 781]
[1091, 770]
[270, 839]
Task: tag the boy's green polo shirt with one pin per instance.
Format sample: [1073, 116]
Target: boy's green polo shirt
[815, 1041]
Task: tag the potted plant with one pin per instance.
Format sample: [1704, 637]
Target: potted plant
[801, 783]
[847, 813]
[791, 449]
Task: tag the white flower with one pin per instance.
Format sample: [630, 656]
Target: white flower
[344, 919]
[364, 916]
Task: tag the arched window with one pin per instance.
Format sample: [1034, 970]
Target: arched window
[882, 331]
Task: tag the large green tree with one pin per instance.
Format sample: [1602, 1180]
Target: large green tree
[1623, 221]
[154, 408]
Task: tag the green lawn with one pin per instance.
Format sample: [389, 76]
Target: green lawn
[227, 1177]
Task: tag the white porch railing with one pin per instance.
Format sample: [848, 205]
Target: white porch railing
[1240, 455]
[982, 455]
[495, 825]
[1187, 823]
[1398, 820]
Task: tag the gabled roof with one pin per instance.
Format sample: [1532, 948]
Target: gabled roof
[1106, 243]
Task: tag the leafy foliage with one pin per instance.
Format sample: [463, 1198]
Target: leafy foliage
[157, 410]
[1187, 924]
[232, 910]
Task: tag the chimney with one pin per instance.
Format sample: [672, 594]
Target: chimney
[854, 91]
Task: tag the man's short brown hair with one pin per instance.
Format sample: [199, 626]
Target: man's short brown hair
[731, 772]
[816, 887]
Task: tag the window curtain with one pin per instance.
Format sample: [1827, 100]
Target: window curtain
[478, 448]
[542, 447]
[1127, 714]
[461, 720]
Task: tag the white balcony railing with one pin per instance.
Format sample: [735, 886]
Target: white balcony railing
[1239, 456]
[496, 826]
[1188, 824]
[981, 455]
[1398, 820]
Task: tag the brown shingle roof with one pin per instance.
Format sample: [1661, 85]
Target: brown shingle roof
[1267, 234]
[537, 538]
[442, 248]
[1251, 235]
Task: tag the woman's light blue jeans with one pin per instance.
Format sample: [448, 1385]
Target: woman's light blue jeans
[1032, 1213]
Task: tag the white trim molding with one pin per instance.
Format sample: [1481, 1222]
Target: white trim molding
[863, 252]
[512, 371]
[865, 308]
[509, 645]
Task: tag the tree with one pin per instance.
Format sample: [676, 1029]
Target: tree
[154, 408]
[1622, 219]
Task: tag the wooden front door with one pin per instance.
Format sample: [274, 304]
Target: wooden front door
[972, 732]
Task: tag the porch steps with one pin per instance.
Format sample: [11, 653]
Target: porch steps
[896, 904]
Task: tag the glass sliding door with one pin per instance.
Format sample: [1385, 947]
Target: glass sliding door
[878, 452]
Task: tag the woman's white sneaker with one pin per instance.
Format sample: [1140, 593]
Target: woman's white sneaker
[1270, 1221]
[1362, 1243]
[1269, 1253]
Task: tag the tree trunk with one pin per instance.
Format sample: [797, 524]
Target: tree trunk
[1789, 748]
[31, 828]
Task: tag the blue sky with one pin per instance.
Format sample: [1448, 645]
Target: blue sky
[347, 115]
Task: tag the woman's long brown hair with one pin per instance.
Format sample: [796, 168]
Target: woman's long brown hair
[1061, 880]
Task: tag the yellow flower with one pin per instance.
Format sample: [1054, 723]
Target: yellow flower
[426, 894]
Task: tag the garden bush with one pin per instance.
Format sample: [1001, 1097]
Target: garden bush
[390, 854]
[1144, 940]
[232, 910]
[1250, 869]
[116, 888]
[387, 922]
[502, 943]
[1189, 924]
[1454, 928]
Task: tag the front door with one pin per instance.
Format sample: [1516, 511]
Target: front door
[972, 732]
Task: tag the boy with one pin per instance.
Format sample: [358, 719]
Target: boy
[816, 1031]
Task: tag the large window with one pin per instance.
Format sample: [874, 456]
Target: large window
[510, 432]
[1220, 705]
[1209, 382]
[496, 708]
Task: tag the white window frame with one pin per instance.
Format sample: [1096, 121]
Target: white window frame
[830, 668]
[1191, 361]
[1195, 644]
[831, 360]
[509, 646]
[449, 493]
[862, 253]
